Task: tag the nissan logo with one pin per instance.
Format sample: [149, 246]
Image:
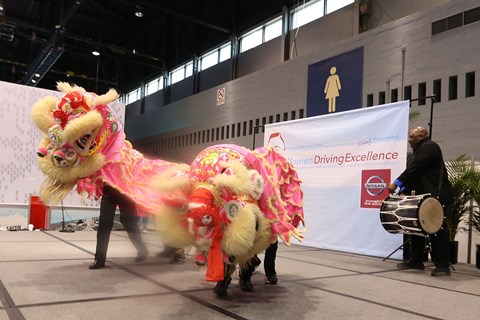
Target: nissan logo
[375, 186]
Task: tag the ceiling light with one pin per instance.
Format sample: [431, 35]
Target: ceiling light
[34, 81]
[95, 53]
[37, 75]
[138, 12]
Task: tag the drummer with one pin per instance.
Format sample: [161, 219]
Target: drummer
[426, 173]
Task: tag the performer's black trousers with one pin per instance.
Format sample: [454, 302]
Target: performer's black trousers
[128, 217]
[269, 261]
[440, 246]
[248, 268]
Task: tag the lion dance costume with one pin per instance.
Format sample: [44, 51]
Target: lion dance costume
[83, 145]
[230, 203]
[239, 202]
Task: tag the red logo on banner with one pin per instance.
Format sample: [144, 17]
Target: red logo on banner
[374, 187]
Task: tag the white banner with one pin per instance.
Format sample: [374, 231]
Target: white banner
[345, 161]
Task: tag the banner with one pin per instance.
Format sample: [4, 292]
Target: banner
[345, 161]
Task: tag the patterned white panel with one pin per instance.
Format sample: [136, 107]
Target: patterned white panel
[19, 139]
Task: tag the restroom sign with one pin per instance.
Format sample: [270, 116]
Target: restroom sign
[221, 96]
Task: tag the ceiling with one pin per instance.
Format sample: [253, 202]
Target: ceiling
[63, 34]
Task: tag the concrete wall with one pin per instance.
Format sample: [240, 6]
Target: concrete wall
[382, 12]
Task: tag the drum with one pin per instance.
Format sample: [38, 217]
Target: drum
[418, 215]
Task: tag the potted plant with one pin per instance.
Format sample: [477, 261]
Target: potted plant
[475, 222]
[464, 180]
[475, 218]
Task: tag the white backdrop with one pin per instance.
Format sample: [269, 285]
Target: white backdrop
[345, 161]
[19, 140]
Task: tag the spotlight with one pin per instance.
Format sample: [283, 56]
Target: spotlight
[138, 12]
[37, 75]
[95, 53]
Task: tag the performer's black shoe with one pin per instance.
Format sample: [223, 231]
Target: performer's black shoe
[271, 279]
[141, 255]
[167, 252]
[97, 265]
[221, 287]
[178, 259]
[408, 265]
[246, 285]
[441, 272]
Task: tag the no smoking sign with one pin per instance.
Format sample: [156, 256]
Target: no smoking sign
[221, 96]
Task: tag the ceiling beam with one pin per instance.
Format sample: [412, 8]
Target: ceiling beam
[136, 57]
[51, 52]
[155, 6]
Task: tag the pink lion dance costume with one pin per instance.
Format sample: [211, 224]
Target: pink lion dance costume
[237, 202]
[84, 146]
[230, 203]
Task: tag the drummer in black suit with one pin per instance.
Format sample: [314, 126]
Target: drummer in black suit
[426, 173]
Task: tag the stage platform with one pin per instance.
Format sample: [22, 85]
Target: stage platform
[44, 275]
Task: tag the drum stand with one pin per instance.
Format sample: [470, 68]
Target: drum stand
[401, 246]
[428, 248]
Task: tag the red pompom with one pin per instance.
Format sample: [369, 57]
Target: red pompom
[60, 117]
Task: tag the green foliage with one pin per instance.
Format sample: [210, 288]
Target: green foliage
[475, 221]
[465, 187]
[413, 115]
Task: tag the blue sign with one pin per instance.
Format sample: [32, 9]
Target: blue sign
[335, 84]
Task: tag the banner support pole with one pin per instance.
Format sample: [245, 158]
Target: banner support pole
[432, 100]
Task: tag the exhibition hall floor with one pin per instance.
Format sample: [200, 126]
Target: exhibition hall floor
[45, 275]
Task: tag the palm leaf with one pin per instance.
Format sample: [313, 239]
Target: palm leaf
[464, 179]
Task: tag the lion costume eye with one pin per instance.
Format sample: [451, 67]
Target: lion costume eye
[207, 219]
[83, 140]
